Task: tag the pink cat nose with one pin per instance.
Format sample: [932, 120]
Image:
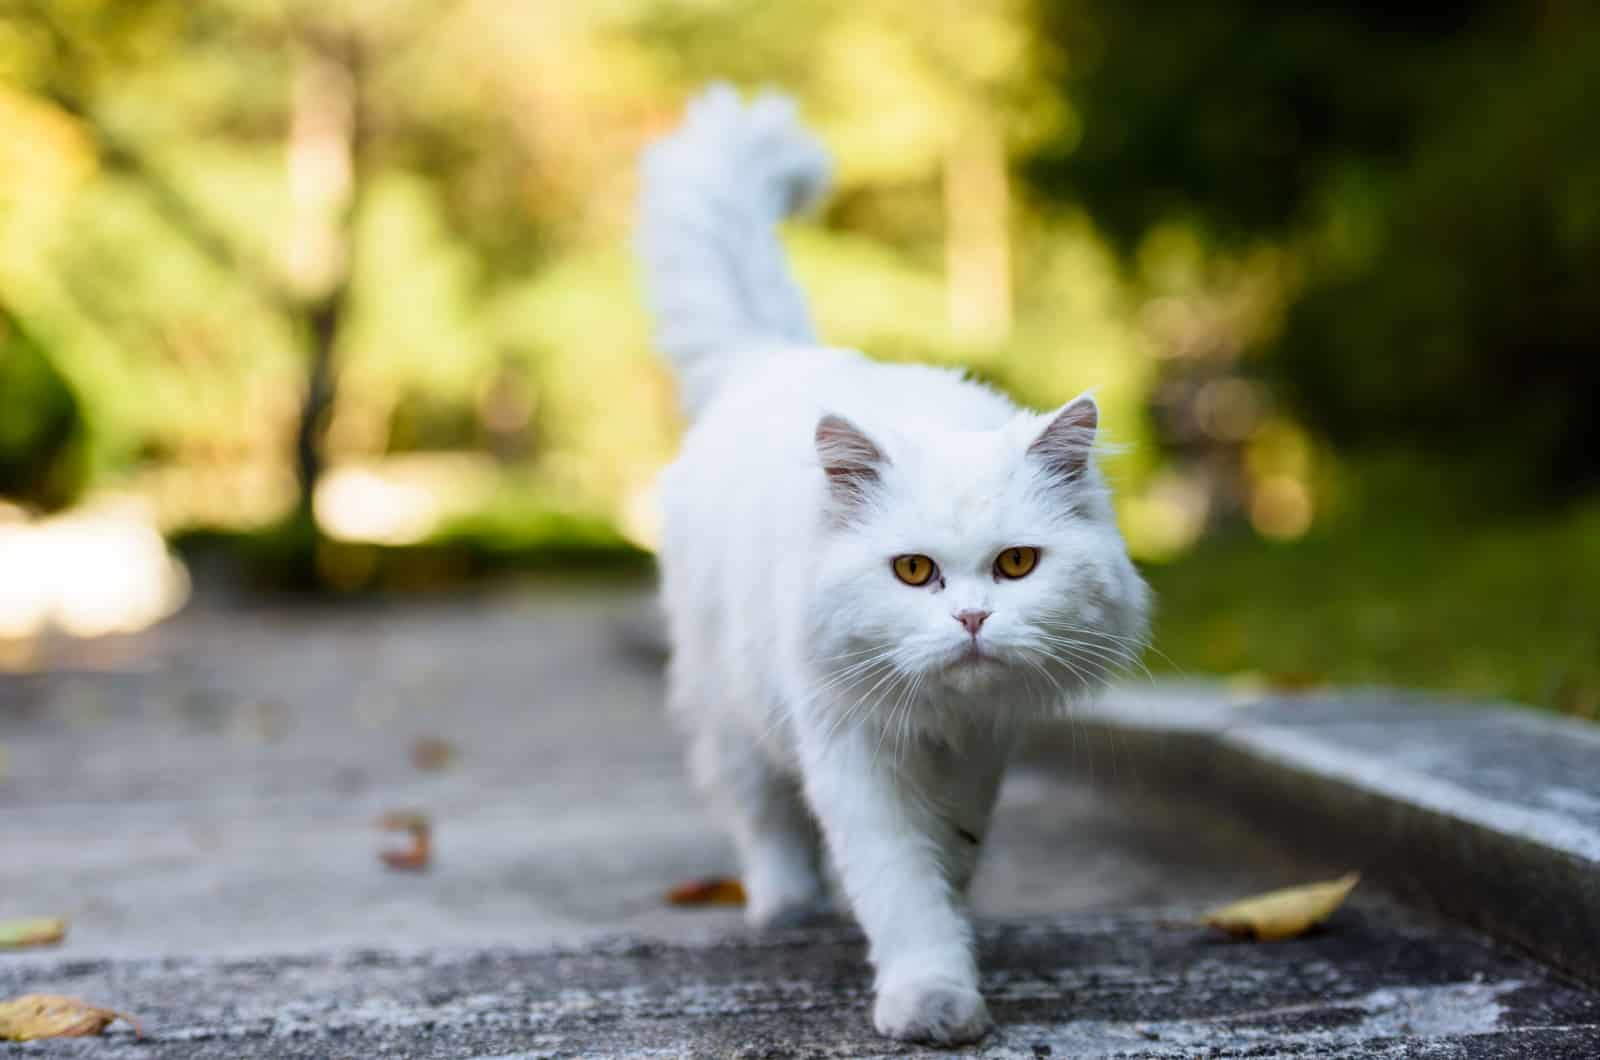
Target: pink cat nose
[972, 620]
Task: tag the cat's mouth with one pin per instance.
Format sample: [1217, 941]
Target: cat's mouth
[972, 656]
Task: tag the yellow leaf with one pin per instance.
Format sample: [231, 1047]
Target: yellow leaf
[23, 1019]
[1283, 914]
[45, 931]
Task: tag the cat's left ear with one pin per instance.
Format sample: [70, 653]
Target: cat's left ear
[1065, 444]
[851, 459]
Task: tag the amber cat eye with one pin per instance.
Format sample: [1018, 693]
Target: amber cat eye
[1016, 562]
[914, 569]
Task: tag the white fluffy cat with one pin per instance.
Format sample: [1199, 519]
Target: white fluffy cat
[872, 573]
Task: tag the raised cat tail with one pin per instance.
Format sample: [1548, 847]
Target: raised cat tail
[714, 270]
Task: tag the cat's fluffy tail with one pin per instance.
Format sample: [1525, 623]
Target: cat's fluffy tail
[714, 270]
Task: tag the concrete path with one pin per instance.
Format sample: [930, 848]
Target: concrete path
[199, 801]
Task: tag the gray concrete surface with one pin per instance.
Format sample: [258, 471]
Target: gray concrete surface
[199, 801]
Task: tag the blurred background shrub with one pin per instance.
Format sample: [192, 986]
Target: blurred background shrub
[341, 291]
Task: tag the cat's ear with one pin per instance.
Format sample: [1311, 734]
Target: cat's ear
[1065, 444]
[851, 459]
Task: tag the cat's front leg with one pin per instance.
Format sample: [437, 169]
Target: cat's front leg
[890, 847]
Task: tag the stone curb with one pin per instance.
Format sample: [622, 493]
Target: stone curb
[1489, 815]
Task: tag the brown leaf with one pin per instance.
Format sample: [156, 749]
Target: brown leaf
[716, 890]
[44, 931]
[417, 856]
[1283, 914]
[23, 1019]
[432, 753]
[414, 858]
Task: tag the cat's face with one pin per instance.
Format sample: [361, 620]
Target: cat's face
[1011, 575]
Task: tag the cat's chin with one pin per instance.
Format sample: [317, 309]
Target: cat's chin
[970, 668]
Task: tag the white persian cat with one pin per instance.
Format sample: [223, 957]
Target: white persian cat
[872, 573]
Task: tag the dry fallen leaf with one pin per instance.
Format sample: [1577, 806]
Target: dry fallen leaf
[432, 753]
[1283, 914]
[717, 890]
[23, 1019]
[416, 856]
[44, 931]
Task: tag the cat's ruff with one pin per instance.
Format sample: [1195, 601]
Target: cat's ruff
[828, 700]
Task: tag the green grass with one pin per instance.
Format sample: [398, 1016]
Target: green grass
[1507, 610]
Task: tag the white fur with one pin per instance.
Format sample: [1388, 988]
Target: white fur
[816, 687]
[716, 276]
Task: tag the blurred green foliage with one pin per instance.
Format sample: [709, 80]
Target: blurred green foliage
[206, 205]
[1435, 172]
[41, 428]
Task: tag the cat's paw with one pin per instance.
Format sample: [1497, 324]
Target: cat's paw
[937, 1010]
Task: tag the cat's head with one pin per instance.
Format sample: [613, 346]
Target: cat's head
[963, 562]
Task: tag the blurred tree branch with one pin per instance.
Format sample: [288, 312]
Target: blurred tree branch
[326, 149]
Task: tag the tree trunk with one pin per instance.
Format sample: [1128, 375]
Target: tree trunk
[324, 150]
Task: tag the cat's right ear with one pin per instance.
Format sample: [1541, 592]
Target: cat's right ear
[1067, 442]
[851, 460]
